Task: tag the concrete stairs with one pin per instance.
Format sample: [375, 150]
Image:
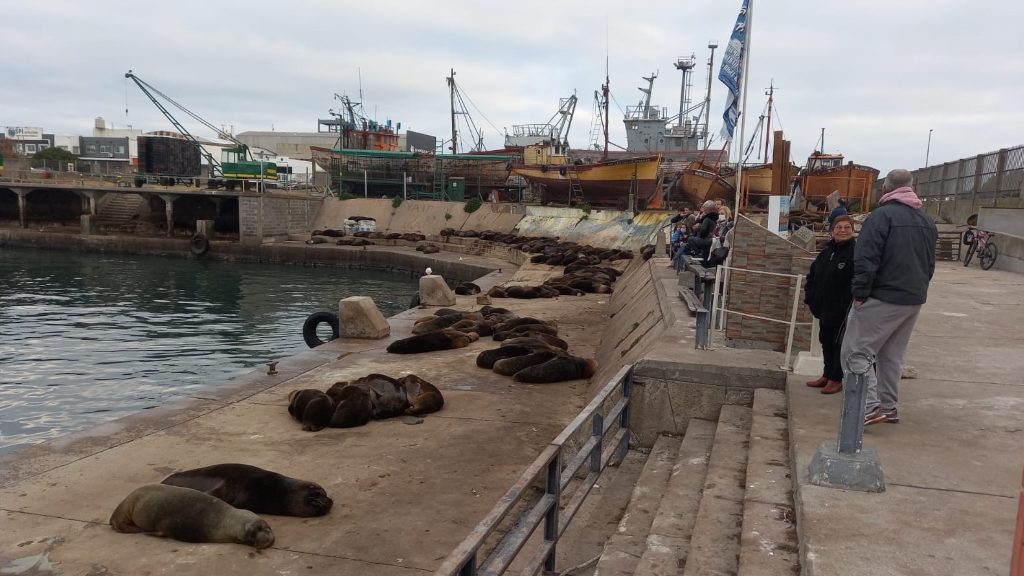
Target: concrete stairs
[719, 502]
[119, 208]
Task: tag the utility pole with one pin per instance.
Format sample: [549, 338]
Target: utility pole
[822, 140]
[929, 150]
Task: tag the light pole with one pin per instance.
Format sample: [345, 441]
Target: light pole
[928, 152]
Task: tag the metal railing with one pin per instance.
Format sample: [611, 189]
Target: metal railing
[464, 559]
[717, 307]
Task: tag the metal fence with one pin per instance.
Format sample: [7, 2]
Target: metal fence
[953, 191]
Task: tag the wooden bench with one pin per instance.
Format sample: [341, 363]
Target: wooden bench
[692, 301]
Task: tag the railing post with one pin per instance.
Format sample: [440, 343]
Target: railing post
[792, 318]
[469, 568]
[847, 464]
[714, 307]
[595, 454]
[627, 392]
[551, 518]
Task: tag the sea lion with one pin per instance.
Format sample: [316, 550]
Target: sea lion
[497, 292]
[189, 516]
[528, 339]
[487, 358]
[362, 242]
[591, 286]
[354, 405]
[255, 489]
[479, 327]
[433, 324]
[558, 370]
[440, 340]
[489, 310]
[423, 396]
[317, 240]
[330, 232]
[311, 407]
[523, 292]
[511, 366]
[430, 249]
[345, 241]
[523, 329]
[387, 395]
[510, 324]
[467, 289]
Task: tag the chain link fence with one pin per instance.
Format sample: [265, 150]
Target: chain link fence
[955, 190]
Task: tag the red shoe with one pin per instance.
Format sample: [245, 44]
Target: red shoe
[819, 383]
[832, 387]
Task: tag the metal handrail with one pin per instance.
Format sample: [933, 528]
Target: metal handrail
[463, 560]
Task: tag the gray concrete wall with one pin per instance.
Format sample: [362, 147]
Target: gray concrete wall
[1002, 220]
[267, 215]
[1011, 252]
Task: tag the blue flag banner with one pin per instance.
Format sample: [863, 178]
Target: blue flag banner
[731, 73]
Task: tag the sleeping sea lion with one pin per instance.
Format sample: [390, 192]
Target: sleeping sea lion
[558, 370]
[523, 329]
[523, 292]
[311, 407]
[424, 397]
[481, 328]
[387, 395]
[467, 289]
[497, 292]
[529, 338]
[255, 489]
[487, 358]
[433, 324]
[354, 406]
[508, 325]
[440, 340]
[189, 516]
[488, 310]
[511, 366]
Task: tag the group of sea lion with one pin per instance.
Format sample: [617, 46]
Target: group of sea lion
[354, 403]
[578, 279]
[532, 352]
[219, 503]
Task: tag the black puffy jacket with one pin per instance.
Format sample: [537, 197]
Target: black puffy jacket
[828, 292]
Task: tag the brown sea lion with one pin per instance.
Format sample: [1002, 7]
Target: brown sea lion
[345, 241]
[487, 358]
[362, 242]
[523, 292]
[511, 366]
[558, 370]
[354, 405]
[424, 397]
[439, 340]
[435, 323]
[387, 395]
[510, 324]
[523, 329]
[189, 516]
[329, 232]
[311, 407]
[479, 327]
[546, 339]
[467, 289]
[497, 292]
[317, 240]
[430, 249]
[392, 236]
[591, 286]
[255, 489]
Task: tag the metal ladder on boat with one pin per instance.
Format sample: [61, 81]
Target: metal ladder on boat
[575, 188]
[438, 179]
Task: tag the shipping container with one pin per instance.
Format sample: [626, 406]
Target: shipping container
[163, 155]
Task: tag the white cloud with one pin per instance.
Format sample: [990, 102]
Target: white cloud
[877, 74]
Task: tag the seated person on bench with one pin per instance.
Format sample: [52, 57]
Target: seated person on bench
[698, 244]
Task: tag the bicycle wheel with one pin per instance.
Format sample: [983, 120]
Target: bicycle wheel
[970, 253]
[988, 256]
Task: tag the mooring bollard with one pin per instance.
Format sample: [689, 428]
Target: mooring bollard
[847, 464]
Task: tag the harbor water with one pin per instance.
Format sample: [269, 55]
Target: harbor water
[88, 338]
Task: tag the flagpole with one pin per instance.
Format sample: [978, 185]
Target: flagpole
[743, 110]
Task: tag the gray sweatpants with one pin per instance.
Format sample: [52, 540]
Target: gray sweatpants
[881, 331]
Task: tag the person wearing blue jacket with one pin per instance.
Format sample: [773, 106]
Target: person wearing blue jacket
[893, 263]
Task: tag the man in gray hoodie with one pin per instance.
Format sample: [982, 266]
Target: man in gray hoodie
[892, 265]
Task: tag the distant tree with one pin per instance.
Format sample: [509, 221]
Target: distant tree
[58, 154]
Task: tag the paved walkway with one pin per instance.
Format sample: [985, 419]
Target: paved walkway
[952, 465]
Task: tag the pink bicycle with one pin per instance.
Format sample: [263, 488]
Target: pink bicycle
[980, 241]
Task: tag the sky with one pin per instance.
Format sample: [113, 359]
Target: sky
[878, 75]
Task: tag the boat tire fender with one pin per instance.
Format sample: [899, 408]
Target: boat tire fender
[199, 244]
[315, 320]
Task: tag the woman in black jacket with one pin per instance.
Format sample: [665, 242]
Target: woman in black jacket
[829, 294]
[699, 242]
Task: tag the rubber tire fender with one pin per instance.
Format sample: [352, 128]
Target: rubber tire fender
[199, 244]
[415, 302]
[313, 321]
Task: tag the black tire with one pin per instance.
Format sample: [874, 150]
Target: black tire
[988, 256]
[415, 301]
[139, 182]
[199, 244]
[315, 320]
[513, 196]
[970, 252]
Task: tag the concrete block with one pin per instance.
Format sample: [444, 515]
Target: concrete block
[808, 364]
[861, 471]
[88, 225]
[434, 291]
[358, 317]
[205, 227]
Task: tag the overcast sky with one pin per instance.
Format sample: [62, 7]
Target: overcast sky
[876, 74]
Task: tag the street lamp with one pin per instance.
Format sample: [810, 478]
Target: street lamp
[929, 150]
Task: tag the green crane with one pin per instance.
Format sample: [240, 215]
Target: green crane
[237, 164]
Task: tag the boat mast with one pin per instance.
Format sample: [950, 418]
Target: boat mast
[451, 92]
[707, 98]
[604, 92]
[768, 124]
